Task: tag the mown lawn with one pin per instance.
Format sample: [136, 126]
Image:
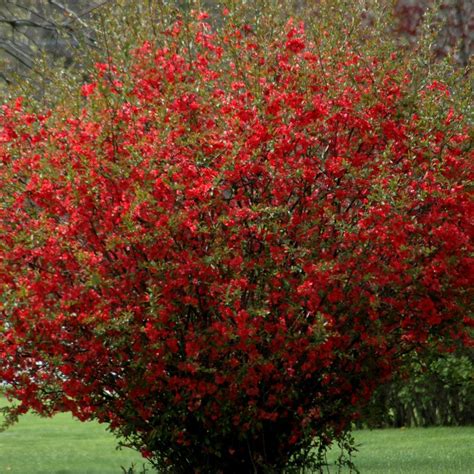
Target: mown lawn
[61, 445]
[416, 451]
[65, 446]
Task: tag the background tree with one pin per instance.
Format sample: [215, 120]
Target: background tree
[30, 29]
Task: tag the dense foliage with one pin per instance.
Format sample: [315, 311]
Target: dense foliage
[231, 244]
[438, 391]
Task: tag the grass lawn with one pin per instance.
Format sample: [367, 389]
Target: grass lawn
[64, 446]
[415, 451]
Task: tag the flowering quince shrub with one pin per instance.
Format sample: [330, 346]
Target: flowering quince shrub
[231, 245]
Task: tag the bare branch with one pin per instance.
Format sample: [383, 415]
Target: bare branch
[13, 50]
[70, 12]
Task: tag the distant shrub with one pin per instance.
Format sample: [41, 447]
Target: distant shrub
[436, 393]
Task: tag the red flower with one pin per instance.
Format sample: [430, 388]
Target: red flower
[88, 89]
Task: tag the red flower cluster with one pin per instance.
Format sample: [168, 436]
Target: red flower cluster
[231, 246]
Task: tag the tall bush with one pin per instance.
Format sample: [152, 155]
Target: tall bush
[231, 242]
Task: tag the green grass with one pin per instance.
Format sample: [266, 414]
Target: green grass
[415, 451]
[63, 445]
